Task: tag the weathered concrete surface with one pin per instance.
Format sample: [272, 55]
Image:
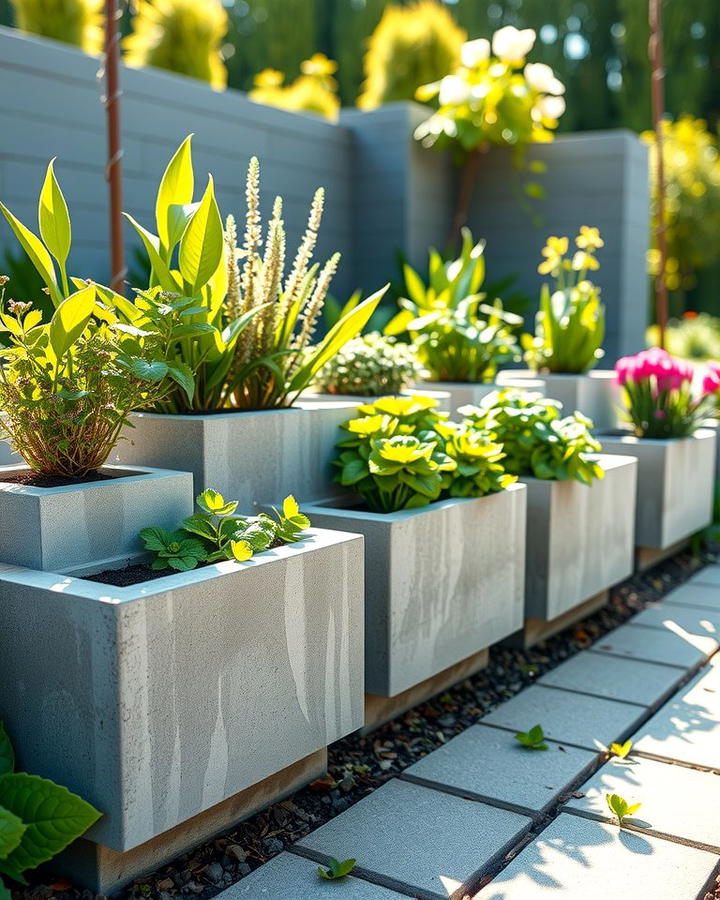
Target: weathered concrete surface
[675, 485]
[707, 575]
[254, 457]
[171, 696]
[617, 679]
[442, 582]
[442, 397]
[680, 619]
[427, 840]
[693, 595]
[676, 800]
[488, 763]
[668, 645]
[66, 528]
[567, 717]
[579, 538]
[575, 858]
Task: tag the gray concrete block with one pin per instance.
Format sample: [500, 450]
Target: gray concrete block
[617, 679]
[66, 528]
[254, 457]
[668, 646]
[466, 393]
[576, 858]
[708, 575]
[170, 696]
[579, 538]
[676, 800]
[442, 582]
[428, 841]
[675, 485]
[589, 722]
[488, 763]
[696, 596]
[680, 619]
[291, 877]
[687, 728]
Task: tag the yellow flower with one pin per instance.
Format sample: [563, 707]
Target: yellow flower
[269, 78]
[553, 252]
[589, 238]
[583, 260]
[318, 65]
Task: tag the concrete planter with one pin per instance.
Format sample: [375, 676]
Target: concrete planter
[442, 397]
[466, 393]
[579, 538]
[169, 697]
[62, 529]
[254, 457]
[596, 394]
[442, 583]
[676, 479]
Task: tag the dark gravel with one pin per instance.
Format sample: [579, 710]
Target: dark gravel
[359, 765]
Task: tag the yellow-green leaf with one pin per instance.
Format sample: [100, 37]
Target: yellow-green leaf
[241, 550]
[176, 190]
[160, 268]
[71, 318]
[37, 252]
[290, 507]
[53, 217]
[621, 750]
[202, 243]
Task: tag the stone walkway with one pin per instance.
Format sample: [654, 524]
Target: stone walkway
[483, 818]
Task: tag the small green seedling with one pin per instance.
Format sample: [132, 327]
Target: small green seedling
[533, 739]
[336, 870]
[620, 807]
[621, 750]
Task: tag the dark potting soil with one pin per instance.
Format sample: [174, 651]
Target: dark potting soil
[33, 479]
[130, 575]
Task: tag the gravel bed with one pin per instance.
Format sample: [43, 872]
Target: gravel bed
[359, 765]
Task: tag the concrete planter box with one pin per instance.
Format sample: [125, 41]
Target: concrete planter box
[675, 487]
[579, 538]
[442, 397]
[62, 529]
[596, 394]
[159, 701]
[466, 393]
[442, 583]
[254, 457]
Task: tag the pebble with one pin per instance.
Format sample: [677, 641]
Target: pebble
[236, 852]
[273, 846]
[214, 872]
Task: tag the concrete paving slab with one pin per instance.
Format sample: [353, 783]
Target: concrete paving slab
[617, 679]
[485, 762]
[290, 877]
[676, 800]
[426, 840]
[687, 727]
[576, 858]
[655, 645]
[699, 594]
[708, 575]
[680, 619]
[568, 717]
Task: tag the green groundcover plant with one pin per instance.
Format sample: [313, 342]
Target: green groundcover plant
[570, 324]
[369, 366]
[215, 533]
[536, 440]
[401, 453]
[458, 337]
[38, 818]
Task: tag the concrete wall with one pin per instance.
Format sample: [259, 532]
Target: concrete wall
[384, 192]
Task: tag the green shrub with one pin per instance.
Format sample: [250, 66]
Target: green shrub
[78, 22]
[534, 437]
[410, 46]
[369, 366]
[314, 90]
[696, 336]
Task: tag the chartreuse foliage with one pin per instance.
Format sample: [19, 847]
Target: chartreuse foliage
[336, 869]
[78, 22]
[370, 365]
[457, 336]
[570, 325]
[620, 807]
[534, 437]
[216, 533]
[401, 453]
[621, 750]
[314, 90]
[38, 818]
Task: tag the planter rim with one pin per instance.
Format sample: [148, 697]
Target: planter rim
[135, 475]
[607, 461]
[317, 539]
[630, 439]
[597, 374]
[299, 407]
[401, 515]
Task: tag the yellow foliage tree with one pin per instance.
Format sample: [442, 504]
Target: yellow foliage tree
[181, 36]
[314, 90]
[78, 22]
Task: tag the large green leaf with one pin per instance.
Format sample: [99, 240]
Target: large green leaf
[12, 829]
[37, 252]
[201, 246]
[175, 192]
[71, 318]
[160, 268]
[54, 818]
[7, 754]
[4, 892]
[53, 217]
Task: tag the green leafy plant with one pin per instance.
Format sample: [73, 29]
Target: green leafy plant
[445, 319]
[216, 533]
[401, 453]
[411, 45]
[336, 870]
[621, 750]
[534, 739]
[181, 36]
[695, 336]
[620, 807]
[38, 818]
[370, 365]
[314, 90]
[78, 22]
[570, 325]
[535, 439]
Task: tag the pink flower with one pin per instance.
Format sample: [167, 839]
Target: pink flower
[669, 373]
[711, 379]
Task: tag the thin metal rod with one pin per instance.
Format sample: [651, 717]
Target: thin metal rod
[113, 171]
[657, 92]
